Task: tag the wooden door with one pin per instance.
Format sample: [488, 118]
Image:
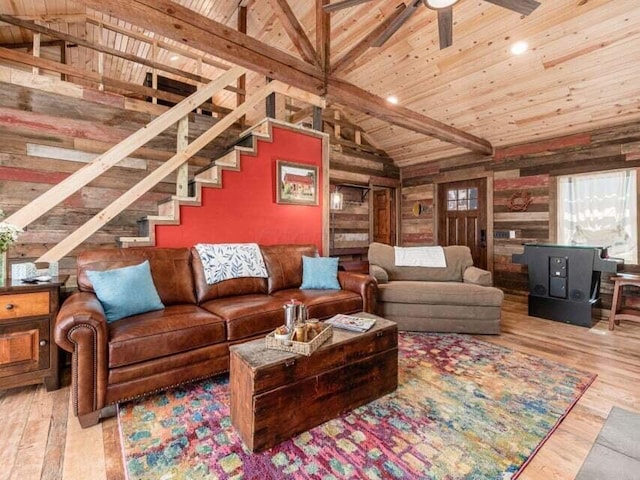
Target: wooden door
[462, 217]
[384, 216]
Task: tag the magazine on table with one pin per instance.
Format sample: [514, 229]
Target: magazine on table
[348, 322]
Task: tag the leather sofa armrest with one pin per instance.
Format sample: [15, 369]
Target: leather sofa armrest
[379, 273]
[81, 328]
[363, 284]
[477, 276]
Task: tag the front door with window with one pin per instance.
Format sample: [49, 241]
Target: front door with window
[462, 217]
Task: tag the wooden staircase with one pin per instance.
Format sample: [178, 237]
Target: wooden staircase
[210, 177]
[169, 212]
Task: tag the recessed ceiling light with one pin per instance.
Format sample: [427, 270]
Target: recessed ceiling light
[392, 99]
[173, 58]
[519, 48]
[440, 3]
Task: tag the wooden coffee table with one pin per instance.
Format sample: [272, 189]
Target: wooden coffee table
[276, 395]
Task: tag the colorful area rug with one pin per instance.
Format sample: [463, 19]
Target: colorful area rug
[464, 409]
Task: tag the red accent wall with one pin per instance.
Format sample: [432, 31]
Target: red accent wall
[245, 208]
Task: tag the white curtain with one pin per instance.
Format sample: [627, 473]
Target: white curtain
[599, 210]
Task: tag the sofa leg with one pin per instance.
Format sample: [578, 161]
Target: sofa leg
[89, 419]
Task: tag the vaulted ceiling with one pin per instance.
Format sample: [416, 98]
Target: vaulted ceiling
[582, 69]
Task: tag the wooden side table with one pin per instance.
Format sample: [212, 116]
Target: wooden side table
[618, 310]
[28, 353]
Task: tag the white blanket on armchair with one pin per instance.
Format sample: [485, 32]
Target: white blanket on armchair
[224, 261]
[420, 257]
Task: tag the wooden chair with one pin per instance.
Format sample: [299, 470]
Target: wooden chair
[618, 309]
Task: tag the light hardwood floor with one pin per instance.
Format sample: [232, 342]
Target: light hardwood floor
[42, 439]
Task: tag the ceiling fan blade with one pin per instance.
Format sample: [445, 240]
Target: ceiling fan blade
[332, 7]
[396, 24]
[525, 7]
[445, 27]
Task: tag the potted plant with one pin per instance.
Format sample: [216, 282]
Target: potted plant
[8, 236]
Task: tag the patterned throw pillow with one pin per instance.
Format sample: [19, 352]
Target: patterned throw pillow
[320, 273]
[126, 291]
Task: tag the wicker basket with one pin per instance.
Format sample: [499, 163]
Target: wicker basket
[302, 348]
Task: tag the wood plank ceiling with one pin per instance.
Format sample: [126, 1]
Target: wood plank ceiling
[582, 70]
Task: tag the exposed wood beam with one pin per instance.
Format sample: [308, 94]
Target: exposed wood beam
[173, 21]
[162, 44]
[104, 49]
[179, 23]
[298, 94]
[323, 36]
[316, 122]
[343, 4]
[242, 81]
[368, 41]
[358, 99]
[270, 103]
[397, 23]
[294, 30]
[29, 45]
[53, 18]
[36, 51]
[120, 85]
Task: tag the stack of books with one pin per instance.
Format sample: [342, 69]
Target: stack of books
[354, 324]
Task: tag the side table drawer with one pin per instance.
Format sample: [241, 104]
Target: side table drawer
[24, 347]
[19, 305]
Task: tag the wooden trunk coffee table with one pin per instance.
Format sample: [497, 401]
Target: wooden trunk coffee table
[276, 395]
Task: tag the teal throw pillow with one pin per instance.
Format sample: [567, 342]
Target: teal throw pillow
[320, 273]
[126, 291]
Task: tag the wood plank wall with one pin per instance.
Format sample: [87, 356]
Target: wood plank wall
[353, 172]
[533, 168]
[49, 129]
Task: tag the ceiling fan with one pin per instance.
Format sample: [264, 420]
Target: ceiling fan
[445, 15]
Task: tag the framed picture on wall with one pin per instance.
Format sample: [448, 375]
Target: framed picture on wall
[296, 184]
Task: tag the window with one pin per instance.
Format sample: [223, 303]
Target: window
[462, 199]
[599, 209]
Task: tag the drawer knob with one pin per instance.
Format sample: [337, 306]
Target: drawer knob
[379, 334]
[43, 343]
[9, 306]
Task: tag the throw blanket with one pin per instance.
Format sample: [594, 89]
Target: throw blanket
[420, 257]
[224, 261]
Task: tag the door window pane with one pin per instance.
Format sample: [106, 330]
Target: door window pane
[462, 199]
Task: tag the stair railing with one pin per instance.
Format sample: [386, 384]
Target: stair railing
[27, 214]
[58, 193]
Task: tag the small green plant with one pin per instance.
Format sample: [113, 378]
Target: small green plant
[8, 234]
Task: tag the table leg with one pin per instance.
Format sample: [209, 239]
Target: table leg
[615, 303]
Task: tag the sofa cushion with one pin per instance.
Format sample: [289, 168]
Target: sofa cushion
[170, 269]
[458, 258]
[284, 264]
[226, 288]
[175, 329]
[125, 291]
[248, 315]
[320, 273]
[439, 293]
[324, 303]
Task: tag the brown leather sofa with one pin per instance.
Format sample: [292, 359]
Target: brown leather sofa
[189, 339]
